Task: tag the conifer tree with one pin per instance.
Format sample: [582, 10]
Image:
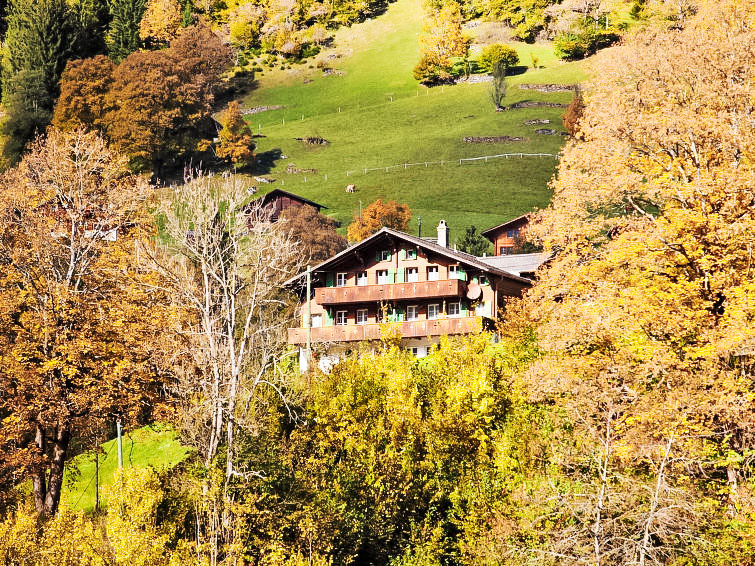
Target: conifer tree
[123, 35]
[37, 45]
[90, 19]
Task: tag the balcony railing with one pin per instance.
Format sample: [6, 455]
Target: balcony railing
[390, 292]
[360, 332]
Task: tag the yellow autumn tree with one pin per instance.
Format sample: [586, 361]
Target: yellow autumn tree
[645, 315]
[378, 214]
[160, 22]
[80, 322]
[235, 138]
[440, 41]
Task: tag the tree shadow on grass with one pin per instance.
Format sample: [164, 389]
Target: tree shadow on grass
[266, 161]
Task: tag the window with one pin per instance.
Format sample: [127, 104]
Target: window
[432, 311]
[512, 233]
[454, 309]
[418, 351]
[412, 274]
[381, 276]
[411, 254]
[362, 316]
[411, 312]
[341, 318]
[316, 321]
[506, 250]
[483, 280]
[362, 278]
[341, 279]
[432, 273]
[456, 272]
[384, 255]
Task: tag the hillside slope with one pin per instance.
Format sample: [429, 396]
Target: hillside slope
[361, 98]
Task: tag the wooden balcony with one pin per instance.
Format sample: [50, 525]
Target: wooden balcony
[390, 292]
[361, 332]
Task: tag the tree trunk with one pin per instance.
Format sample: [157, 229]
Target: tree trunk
[39, 485]
[57, 467]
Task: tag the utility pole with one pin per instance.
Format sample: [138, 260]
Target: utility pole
[419, 226]
[119, 432]
[309, 315]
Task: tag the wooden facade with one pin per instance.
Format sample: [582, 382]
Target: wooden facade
[508, 236]
[429, 289]
[277, 200]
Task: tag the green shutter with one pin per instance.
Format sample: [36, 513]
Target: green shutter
[461, 274]
[328, 279]
[463, 308]
[390, 255]
[391, 276]
[402, 254]
[400, 275]
[328, 318]
[377, 256]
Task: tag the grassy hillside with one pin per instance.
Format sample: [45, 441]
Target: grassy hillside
[375, 115]
[155, 446]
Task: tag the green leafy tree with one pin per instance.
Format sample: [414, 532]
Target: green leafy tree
[472, 242]
[497, 54]
[123, 34]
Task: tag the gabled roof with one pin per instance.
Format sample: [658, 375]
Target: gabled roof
[433, 247]
[267, 197]
[505, 225]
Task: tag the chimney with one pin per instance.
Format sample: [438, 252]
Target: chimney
[443, 234]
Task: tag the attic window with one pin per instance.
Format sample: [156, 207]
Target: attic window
[411, 254]
[384, 255]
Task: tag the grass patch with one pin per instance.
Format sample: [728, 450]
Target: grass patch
[152, 446]
[375, 115]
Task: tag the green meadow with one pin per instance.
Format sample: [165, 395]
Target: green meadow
[393, 138]
[151, 446]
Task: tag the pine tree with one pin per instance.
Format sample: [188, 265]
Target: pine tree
[90, 19]
[123, 35]
[38, 44]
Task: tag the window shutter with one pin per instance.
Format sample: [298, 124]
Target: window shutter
[391, 276]
[400, 275]
[377, 256]
[328, 279]
[463, 308]
[402, 254]
[328, 317]
[461, 274]
[390, 255]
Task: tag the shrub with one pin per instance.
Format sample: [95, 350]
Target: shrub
[580, 44]
[429, 73]
[497, 54]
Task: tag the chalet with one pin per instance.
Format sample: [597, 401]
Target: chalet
[428, 288]
[277, 200]
[507, 236]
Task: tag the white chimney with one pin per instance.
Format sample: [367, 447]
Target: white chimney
[443, 234]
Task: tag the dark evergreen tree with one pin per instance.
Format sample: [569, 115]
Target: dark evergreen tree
[38, 43]
[472, 242]
[123, 35]
[90, 19]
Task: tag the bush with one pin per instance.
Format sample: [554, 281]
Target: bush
[497, 54]
[429, 73]
[580, 44]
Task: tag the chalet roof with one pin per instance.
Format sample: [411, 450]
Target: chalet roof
[505, 225]
[517, 263]
[388, 233]
[267, 197]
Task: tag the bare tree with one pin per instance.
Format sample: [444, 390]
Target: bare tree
[225, 263]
